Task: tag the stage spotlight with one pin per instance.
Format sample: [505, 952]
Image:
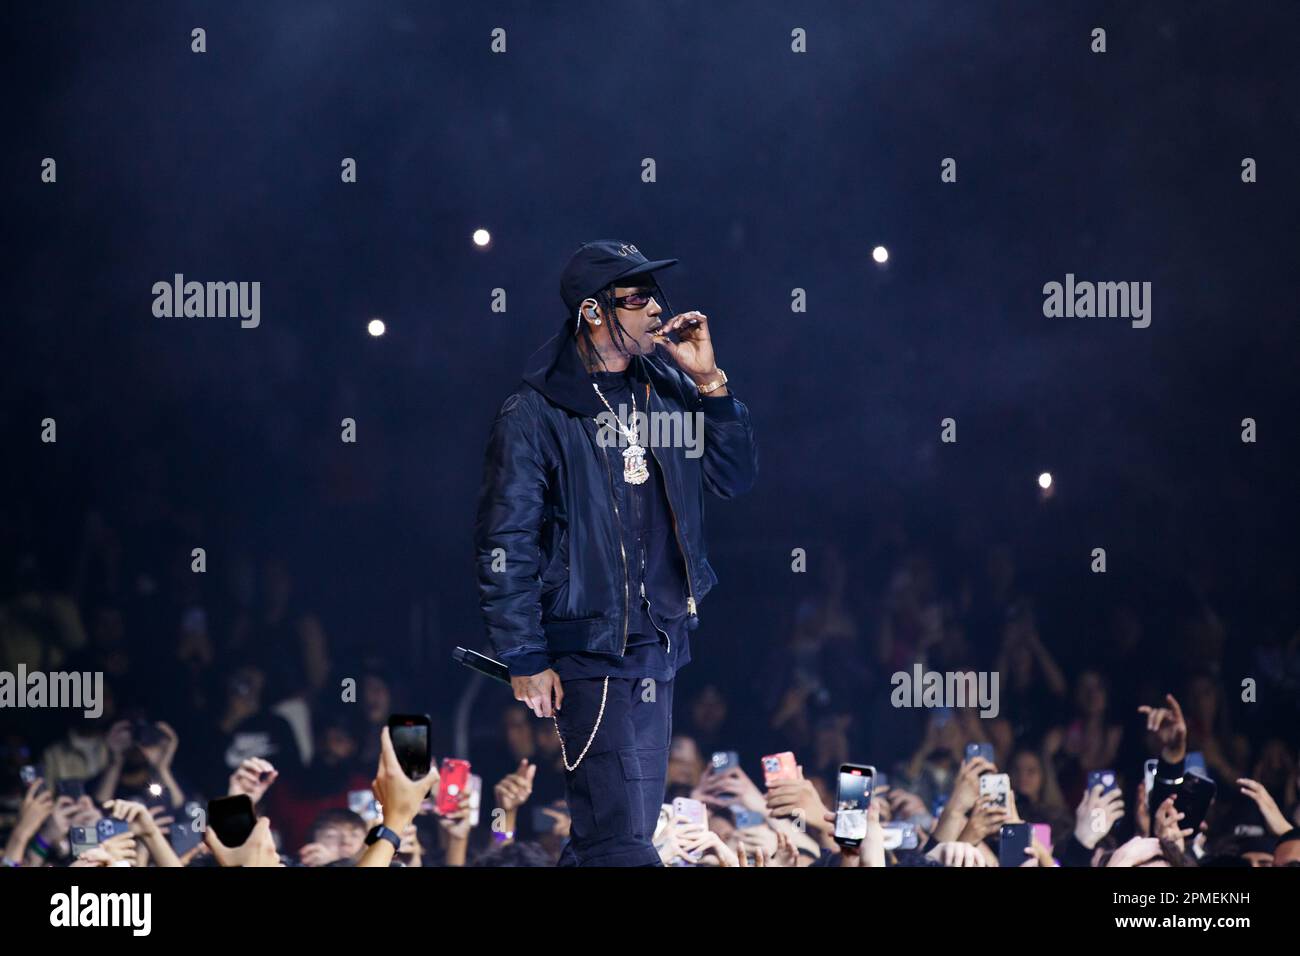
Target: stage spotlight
[482, 237]
[1045, 480]
[376, 327]
[880, 254]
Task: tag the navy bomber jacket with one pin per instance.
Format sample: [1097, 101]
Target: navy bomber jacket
[550, 551]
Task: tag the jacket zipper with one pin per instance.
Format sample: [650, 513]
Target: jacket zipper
[618, 521]
[649, 617]
[686, 562]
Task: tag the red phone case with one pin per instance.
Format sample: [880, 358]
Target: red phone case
[453, 779]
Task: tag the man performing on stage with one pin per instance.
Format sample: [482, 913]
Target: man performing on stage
[590, 536]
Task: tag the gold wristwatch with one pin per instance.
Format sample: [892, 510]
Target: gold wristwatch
[713, 386]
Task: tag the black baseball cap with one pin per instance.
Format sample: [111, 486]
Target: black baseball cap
[598, 263]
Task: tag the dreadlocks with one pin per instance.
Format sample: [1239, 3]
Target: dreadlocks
[617, 334]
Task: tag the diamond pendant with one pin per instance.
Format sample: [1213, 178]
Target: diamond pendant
[634, 470]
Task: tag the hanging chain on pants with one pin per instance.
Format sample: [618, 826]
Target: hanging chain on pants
[563, 753]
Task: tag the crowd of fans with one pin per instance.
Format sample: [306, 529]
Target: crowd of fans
[243, 692]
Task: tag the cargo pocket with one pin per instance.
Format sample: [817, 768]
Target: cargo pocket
[642, 779]
[598, 800]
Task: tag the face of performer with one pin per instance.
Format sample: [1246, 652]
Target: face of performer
[639, 315]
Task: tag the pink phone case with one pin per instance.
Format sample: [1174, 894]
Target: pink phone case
[779, 767]
[689, 810]
[1043, 834]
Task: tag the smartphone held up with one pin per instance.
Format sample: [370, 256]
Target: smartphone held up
[853, 789]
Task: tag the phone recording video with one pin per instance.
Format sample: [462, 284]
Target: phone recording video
[852, 798]
[410, 736]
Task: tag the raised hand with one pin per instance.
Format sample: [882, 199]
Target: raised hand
[730, 787]
[252, 778]
[563, 822]
[1096, 814]
[872, 848]
[163, 819]
[760, 859]
[966, 789]
[693, 353]
[1166, 824]
[257, 850]
[136, 814]
[799, 800]
[146, 823]
[457, 823]
[1036, 855]
[114, 850]
[37, 806]
[161, 754]
[317, 854]
[786, 855]
[760, 838]
[1135, 852]
[514, 789]
[1274, 818]
[984, 820]
[698, 842]
[398, 794]
[958, 854]
[871, 851]
[905, 805]
[668, 847]
[1167, 726]
[59, 822]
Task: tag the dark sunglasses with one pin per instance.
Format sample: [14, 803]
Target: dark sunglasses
[637, 300]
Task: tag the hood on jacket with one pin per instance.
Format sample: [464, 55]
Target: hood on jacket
[556, 371]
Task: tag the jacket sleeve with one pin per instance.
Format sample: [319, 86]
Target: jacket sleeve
[730, 453]
[507, 532]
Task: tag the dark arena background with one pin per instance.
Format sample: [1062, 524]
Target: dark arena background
[257, 529]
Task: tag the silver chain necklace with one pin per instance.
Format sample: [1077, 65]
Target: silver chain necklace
[635, 471]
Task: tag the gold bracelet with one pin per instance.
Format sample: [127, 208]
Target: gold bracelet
[713, 386]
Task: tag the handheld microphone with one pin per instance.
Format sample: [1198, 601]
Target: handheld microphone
[482, 663]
